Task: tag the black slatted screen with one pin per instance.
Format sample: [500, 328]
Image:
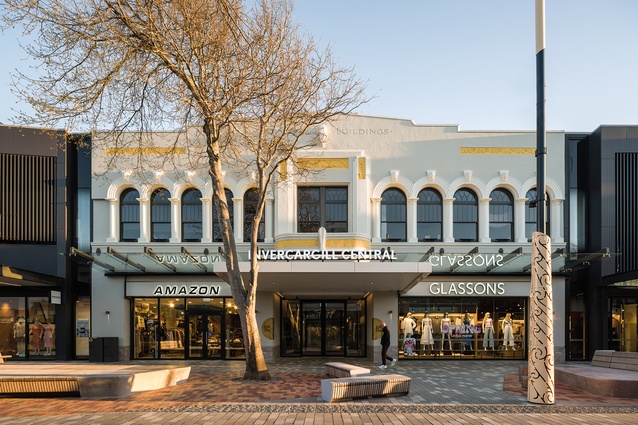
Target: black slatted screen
[27, 199]
[627, 211]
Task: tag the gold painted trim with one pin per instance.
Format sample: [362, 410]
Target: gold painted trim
[498, 151]
[283, 171]
[298, 243]
[145, 151]
[322, 163]
[362, 169]
[330, 244]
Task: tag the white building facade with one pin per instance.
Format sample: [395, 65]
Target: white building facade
[426, 228]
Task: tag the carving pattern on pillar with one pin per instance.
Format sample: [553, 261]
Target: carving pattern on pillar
[540, 386]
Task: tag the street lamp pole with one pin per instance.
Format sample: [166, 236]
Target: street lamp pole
[540, 366]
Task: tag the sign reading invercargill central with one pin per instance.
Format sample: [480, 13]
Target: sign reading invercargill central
[316, 254]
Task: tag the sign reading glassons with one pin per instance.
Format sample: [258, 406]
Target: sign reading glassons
[176, 289]
[467, 288]
[471, 286]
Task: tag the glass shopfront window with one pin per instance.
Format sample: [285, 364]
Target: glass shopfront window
[82, 326]
[13, 327]
[623, 332]
[475, 328]
[41, 327]
[144, 328]
[186, 328]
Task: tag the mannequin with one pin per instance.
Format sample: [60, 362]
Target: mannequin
[37, 336]
[488, 332]
[426, 332]
[408, 325]
[49, 328]
[18, 334]
[446, 330]
[467, 331]
[508, 334]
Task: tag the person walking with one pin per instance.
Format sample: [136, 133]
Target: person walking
[385, 344]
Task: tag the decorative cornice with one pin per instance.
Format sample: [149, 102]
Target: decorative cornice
[322, 163]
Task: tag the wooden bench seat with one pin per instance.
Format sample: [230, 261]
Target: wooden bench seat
[2, 357]
[345, 370]
[341, 389]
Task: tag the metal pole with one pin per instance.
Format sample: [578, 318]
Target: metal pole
[541, 143]
[540, 365]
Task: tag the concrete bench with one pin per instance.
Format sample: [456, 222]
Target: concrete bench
[2, 357]
[342, 389]
[615, 360]
[344, 370]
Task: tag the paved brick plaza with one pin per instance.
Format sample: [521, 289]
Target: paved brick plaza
[441, 392]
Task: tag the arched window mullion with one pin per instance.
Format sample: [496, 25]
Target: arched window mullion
[501, 216]
[429, 216]
[465, 216]
[393, 216]
[192, 216]
[129, 216]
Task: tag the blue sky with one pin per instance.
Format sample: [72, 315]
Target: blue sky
[469, 62]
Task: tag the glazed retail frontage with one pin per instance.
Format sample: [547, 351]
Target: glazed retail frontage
[329, 308]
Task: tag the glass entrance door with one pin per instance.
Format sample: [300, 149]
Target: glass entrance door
[205, 341]
[323, 328]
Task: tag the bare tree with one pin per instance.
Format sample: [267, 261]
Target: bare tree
[256, 86]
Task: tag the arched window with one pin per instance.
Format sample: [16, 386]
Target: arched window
[465, 216]
[129, 216]
[160, 216]
[531, 213]
[250, 209]
[501, 216]
[192, 216]
[393, 216]
[217, 232]
[429, 213]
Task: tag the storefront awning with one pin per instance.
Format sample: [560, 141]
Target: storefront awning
[404, 269]
[12, 276]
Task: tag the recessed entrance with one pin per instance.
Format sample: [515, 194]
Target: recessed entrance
[323, 328]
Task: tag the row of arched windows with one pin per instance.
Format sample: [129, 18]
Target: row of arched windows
[191, 209]
[465, 211]
[327, 207]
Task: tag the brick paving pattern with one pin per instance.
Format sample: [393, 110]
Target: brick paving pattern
[442, 392]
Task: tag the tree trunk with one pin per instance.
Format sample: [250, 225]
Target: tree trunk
[243, 294]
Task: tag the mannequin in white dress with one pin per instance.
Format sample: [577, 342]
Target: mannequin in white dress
[426, 333]
[408, 325]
